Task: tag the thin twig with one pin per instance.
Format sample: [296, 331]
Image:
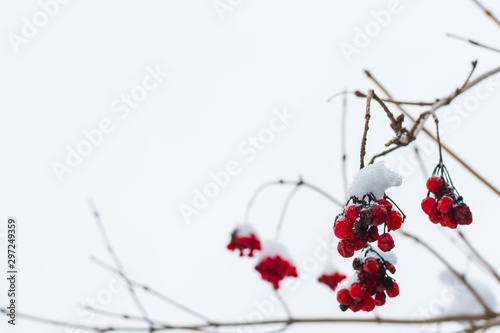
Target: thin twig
[156, 293]
[365, 132]
[486, 11]
[284, 210]
[284, 305]
[473, 42]
[119, 266]
[448, 150]
[421, 163]
[343, 127]
[257, 192]
[357, 320]
[121, 315]
[388, 100]
[488, 312]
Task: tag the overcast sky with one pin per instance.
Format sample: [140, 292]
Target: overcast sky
[138, 104]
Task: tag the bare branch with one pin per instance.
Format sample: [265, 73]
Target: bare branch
[365, 133]
[486, 11]
[474, 43]
[485, 263]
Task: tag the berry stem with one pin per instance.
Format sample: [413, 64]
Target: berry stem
[367, 127]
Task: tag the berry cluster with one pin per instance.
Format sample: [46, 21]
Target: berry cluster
[244, 238]
[275, 268]
[371, 284]
[331, 279]
[358, 224]
[445, 206]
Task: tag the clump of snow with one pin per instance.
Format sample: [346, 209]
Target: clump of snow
[389, 256]
[458, 300]
[375, 178]
[271, 248]
[245, 230]
[348, 281]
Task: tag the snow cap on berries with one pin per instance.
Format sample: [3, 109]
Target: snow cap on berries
[375, 178]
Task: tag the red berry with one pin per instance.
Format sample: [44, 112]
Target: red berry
[450, 220]
[240, 242]
[356, 306]
[385, 242]
[346, 248]
[342, 228]
[343, 297]
[380, 298]
[428, 205]
[360, 243]
[351, 213]
[435, 216]
[445, 205]
[386, 203]
[394, 292]
[357, 291]
[368, 304]
[463, 214]
[371, 266]
[390, 267]
[394, 221]
[274, 269]
[331, 280]
[434, 184]
[373, 234]
[379, 214]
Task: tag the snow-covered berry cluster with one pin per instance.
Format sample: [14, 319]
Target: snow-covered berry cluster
[331, 278]
[274, 263]
[358, 224]
[244, 238]
[274, 268]
[443, 204]
[371, 283]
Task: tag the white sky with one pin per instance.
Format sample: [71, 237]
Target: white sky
[225, 79]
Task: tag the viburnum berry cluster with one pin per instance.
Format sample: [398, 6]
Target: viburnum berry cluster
[358, 224]
[371, 283]
[244, 238]
[274, 268]
[443, 203]
[331, 278]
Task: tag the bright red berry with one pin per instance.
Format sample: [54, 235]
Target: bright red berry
[379, 214]
[368, 304]
[342, 228]
[343, 297]
[428, 205]
[435, 216]
[243, 242]
[357, 291]
[445, 205]
[394, 292]
[385, 242]
[346, 248]
[371, 266]
[386, 203]
[360, 243]
[351, 213]
[394, 221]
[434, 184]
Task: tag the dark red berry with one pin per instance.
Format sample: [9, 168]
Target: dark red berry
[355, 306]
[394, 292]
[385, 242]
[346, 248]
[380, 298]
[373, 234]
[371, 266]
[360, 243]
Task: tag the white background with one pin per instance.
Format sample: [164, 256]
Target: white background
[226, 77]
